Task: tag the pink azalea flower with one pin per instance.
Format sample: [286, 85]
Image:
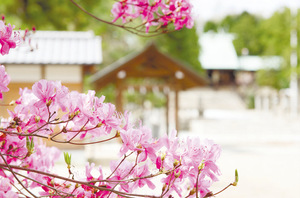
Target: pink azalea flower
[10, 194]
[7, 41]
[203, 186]
[121, 173]
[108, 117]
[142, 172]
[45, 91]
[4, 80]
[43, 158]
[158, 162]
[121, 10]
[139, 140]
[173, 149]
[88, 169]
[5, 184]
[203, 154]
[15, 146]
[154, 13]
[50, 95]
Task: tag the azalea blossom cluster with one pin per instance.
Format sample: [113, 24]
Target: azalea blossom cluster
[166, 167]
[8, 38]
[158, 13]
[186, 167]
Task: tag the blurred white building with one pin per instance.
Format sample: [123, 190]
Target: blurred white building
[222, 64]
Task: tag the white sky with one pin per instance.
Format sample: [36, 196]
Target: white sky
[215, 9]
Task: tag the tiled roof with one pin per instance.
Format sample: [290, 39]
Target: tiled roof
[254, 63]
[217, 51]
[58, 47]
[148, 63]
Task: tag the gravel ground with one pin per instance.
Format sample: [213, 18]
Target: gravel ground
[265, 148]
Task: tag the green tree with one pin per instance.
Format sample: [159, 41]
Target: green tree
[277, 79]
[63, 15]
[275, 39]
[244, 27]
[183, 45]
[275, 33]
[52, 15]
[211, 26]
[247, 34]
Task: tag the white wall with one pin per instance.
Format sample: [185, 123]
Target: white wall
[24, 73]
[33, 73]
[66, 73]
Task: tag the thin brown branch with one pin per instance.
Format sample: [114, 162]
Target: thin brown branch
[214, 194]
[15, 176]
[197, 181]
[6, 105]
[56, 190]
[57, 141]
[93, 16]
[123, 194]
[132, 30]
[96, 142]
[54, 176]
[125, 156]
[127, 173]
[171, 172]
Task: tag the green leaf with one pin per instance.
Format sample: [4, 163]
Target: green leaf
[236, 178]
[67, 157]
[29, 144]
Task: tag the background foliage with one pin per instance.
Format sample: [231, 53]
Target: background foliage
[63, 15]
[262, 37]
[183, 45]
[116, 43]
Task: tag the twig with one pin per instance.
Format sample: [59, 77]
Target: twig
[12, 172]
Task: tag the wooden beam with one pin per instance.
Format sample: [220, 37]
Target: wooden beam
[149, 63]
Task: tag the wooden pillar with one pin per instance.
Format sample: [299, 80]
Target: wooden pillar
[83, 69]
[176, 109]
[167, 112]
[43, 71]
[119, 96]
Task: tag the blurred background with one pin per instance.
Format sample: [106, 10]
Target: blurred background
[233, 78]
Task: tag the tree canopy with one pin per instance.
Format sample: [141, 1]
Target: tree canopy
[63, 15]
[183, 45]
